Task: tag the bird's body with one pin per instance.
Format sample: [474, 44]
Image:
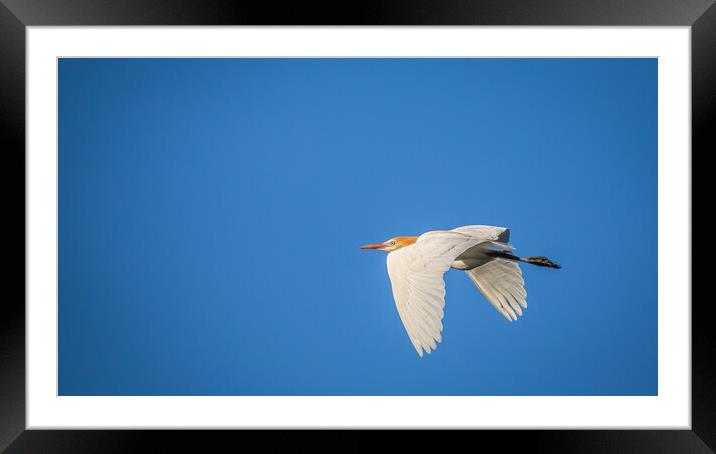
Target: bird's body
[416, 266]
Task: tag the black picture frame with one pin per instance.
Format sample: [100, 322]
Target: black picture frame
[16, 15]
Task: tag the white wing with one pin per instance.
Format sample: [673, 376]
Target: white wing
[502, 284]
[486, 232]
[416, 274]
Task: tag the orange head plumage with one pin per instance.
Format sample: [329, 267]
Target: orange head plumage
[392, 244]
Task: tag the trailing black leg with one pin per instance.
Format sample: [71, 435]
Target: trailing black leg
[540, 261]
[536, 260]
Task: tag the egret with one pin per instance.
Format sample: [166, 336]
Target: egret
[416, 265]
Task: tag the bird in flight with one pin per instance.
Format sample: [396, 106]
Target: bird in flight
[416, 265]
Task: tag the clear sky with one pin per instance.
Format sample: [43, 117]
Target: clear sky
[211, 213]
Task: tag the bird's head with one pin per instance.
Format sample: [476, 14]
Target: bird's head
[392, 244]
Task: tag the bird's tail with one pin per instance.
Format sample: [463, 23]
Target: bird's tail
[536, 260]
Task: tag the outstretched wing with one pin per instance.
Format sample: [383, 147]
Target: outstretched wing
[501, 282]
[486, 232]
[416, 274]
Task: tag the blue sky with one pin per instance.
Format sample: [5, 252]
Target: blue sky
[211, 213]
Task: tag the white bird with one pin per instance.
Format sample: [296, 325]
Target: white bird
[416, 265]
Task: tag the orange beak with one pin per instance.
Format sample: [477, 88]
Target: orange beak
[373, 246]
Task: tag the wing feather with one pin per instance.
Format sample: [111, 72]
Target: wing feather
[502, 284]
[486, 232]
[416, 274]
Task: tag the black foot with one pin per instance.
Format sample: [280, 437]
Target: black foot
[542, 261]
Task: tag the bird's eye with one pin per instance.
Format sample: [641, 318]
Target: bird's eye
[392, 243]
